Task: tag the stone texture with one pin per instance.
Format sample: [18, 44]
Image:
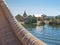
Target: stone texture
[7, 36]
[11, 33]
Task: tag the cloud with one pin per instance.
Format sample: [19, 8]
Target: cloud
[37, 15]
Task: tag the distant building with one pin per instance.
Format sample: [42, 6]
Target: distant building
[25, 14]
[43, 15]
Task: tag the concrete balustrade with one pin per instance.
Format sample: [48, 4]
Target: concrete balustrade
[23, 35]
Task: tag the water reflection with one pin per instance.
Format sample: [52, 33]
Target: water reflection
[29, 25]
[47, 33]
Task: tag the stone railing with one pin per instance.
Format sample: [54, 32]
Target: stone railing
[23, 35]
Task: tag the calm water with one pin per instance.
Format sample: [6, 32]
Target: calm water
[46, 33]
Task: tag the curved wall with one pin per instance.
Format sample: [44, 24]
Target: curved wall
[23, 35]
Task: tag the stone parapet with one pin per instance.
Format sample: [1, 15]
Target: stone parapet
[23, 35]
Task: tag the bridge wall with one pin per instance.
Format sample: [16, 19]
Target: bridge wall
[7, 37]
[23, 35]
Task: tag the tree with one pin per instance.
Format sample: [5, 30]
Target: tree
[43, 16]
[19, 17]
[30, 19]
[34, 19]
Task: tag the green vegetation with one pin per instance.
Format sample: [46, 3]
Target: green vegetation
[44, 19]
[19, 18]
[30, 20]
[55, 21]
[29, 25]
[26, 19]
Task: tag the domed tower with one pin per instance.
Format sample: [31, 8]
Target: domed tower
[25, 14]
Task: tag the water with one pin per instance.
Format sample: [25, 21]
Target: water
[46, 33]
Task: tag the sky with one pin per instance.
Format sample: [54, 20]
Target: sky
[36, 7]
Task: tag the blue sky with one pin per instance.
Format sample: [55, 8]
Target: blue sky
[48, 7]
